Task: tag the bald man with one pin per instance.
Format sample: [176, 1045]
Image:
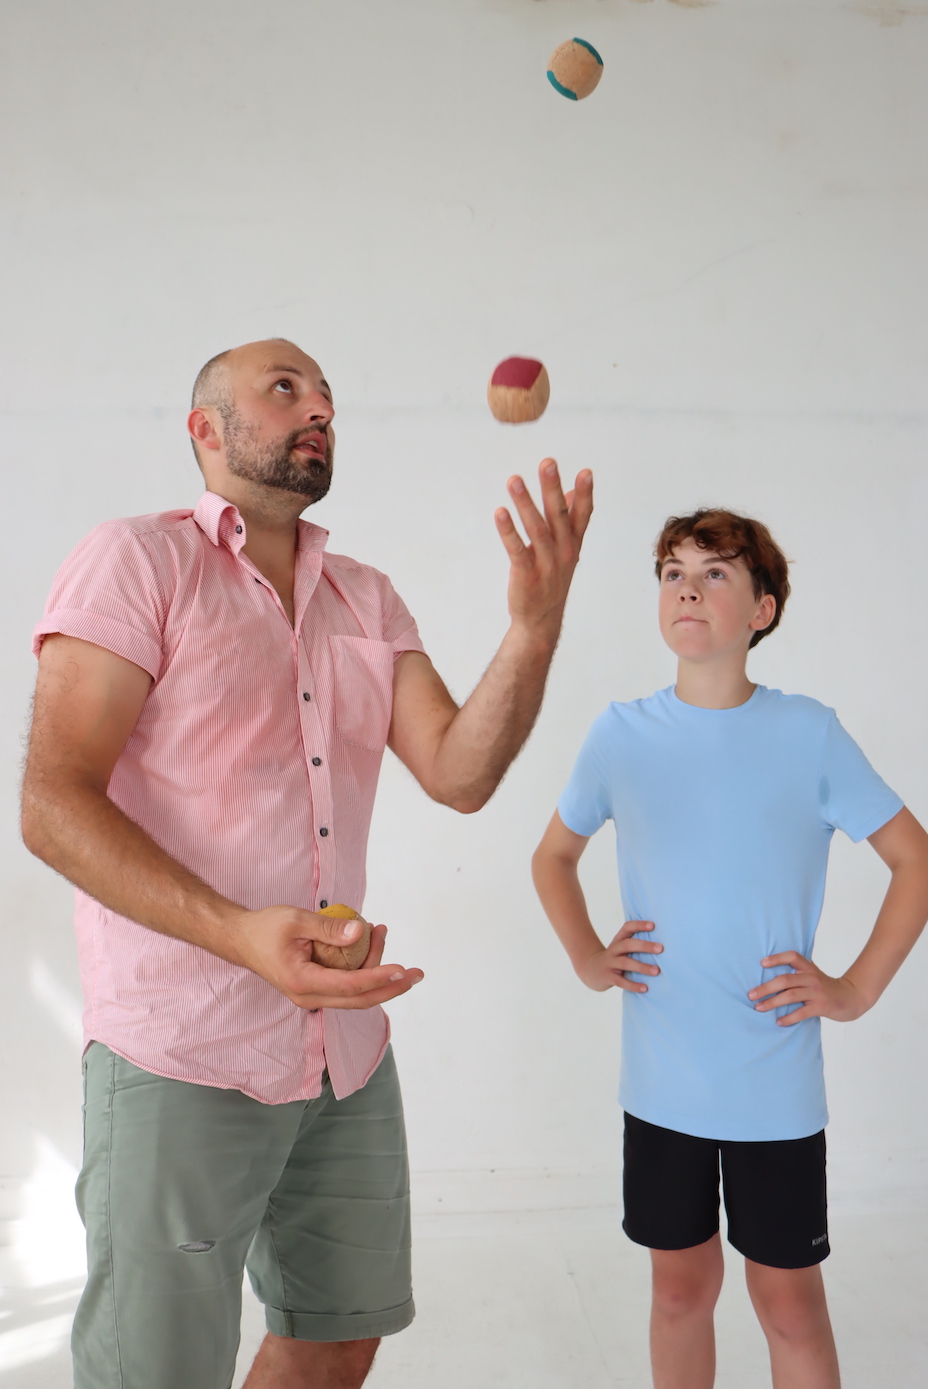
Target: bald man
[215, 693]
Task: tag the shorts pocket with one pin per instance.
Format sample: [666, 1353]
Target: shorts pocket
[363, 690]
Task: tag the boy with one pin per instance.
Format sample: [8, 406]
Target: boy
[724, 796]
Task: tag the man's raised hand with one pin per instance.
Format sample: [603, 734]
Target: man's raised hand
[541, 571]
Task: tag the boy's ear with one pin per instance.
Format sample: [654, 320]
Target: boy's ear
[766, 612]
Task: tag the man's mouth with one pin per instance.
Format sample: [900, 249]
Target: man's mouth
[312, 444]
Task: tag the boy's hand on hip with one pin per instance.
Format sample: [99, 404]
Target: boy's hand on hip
[609, 968]
[277, 943]
[821, 995]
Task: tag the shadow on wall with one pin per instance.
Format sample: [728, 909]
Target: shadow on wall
[41, 1237]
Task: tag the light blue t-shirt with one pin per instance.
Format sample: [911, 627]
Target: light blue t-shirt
[723, 822]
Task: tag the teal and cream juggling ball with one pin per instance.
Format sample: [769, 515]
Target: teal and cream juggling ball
[575, 69]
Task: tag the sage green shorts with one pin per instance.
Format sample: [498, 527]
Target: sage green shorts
[184, 1186]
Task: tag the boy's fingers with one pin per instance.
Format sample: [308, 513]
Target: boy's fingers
[630, 986]
[777, 985]
[799, 1015]
[786, 957]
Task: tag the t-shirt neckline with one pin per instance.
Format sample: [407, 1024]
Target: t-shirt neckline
[700, 709]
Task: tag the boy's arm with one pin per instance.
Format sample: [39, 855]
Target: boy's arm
[557, 882]
[902, 844]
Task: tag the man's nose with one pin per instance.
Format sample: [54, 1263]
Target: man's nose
[318, 409]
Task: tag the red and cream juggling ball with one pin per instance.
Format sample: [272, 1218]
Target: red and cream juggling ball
[518, 391]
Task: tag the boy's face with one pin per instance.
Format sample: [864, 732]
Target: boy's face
[708, 608]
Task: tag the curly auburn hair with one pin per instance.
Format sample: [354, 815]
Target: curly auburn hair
[731, 536]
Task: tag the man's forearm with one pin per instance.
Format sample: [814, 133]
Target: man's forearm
[490, 728]
[78, 831]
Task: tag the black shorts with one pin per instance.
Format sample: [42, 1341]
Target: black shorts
[775, 1196]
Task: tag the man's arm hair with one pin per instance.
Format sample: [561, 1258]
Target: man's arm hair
[87, 704]
[459, 756]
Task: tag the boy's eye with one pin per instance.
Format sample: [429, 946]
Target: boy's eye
[716, 573]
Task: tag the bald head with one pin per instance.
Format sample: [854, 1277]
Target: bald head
[263, 413]
[214, 387]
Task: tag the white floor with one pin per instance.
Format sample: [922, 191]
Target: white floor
[558, 1300]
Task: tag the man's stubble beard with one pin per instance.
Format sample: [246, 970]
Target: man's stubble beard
[271, 464]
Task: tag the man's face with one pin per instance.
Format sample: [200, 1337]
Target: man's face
[278, 429]
[708, 607]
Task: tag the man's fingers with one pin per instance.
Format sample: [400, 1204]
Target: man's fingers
[580, 503]
[308, 978]
[536, 527]
[361, 988]
[336, 930]
[556, 505]
[378, 941]
[515, 546]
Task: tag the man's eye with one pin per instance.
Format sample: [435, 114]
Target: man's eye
[285, 384]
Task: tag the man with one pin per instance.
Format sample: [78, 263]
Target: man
[214, 696]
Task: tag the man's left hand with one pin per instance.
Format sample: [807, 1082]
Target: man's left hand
[821, 996]
[541, 571]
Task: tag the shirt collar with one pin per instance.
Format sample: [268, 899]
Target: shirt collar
[221, 521]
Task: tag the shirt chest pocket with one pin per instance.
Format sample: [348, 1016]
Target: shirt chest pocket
[363, 690]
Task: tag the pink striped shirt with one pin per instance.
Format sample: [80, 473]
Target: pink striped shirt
[254, 763]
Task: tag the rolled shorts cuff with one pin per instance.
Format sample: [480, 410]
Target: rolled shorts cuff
[356, 1326]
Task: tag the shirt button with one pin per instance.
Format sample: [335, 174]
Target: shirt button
[317, 761]
[323, 904]
[323, 831]
[306, 694]
[238, 530]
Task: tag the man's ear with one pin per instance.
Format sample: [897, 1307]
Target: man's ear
[203, 427]
[766, 612]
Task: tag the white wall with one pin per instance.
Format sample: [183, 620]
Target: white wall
[720, 257]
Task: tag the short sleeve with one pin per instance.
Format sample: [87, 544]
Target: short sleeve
[586, 803]
[399, 628]
[853, 797]
[109, 592]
